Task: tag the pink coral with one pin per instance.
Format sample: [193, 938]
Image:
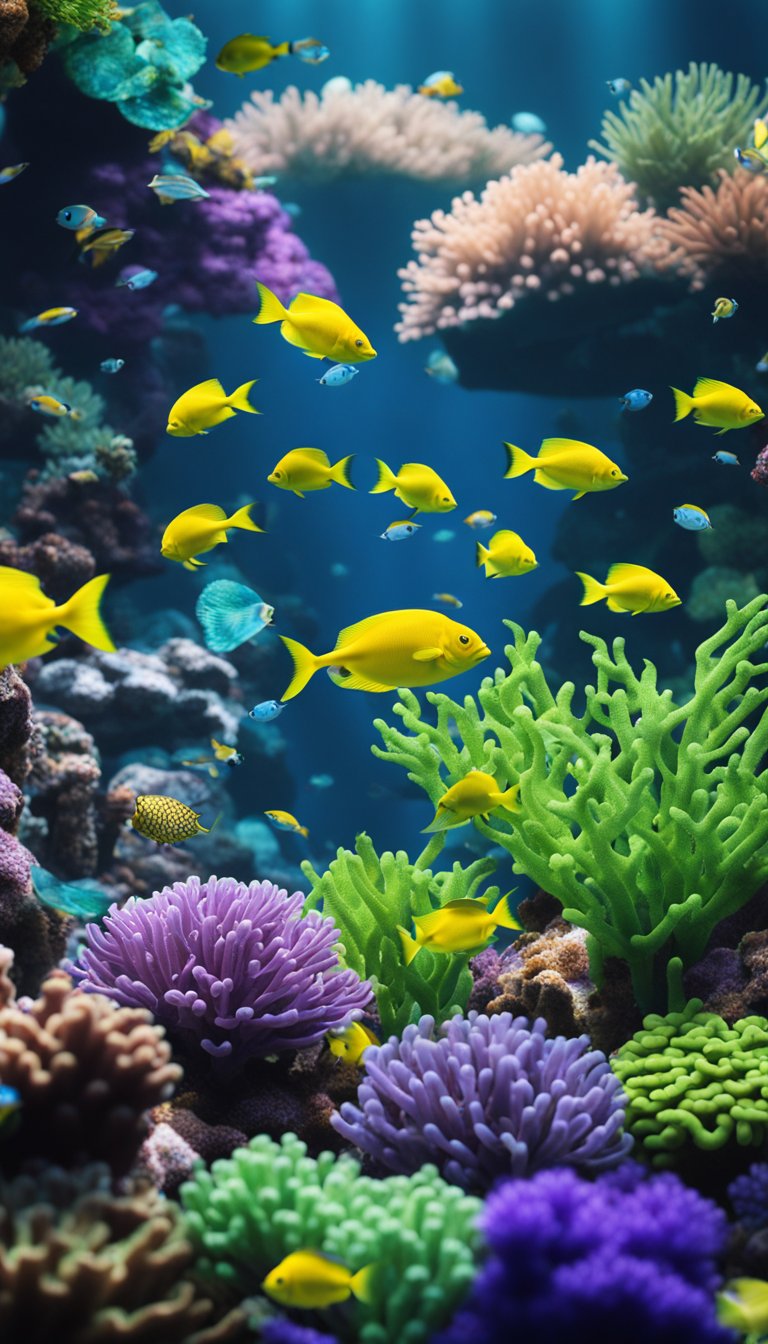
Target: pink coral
[724, 228]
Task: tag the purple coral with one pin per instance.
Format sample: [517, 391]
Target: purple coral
[749, 1196]
[236, 969]
[621, 1258]
[489, 1097]
[759, 472]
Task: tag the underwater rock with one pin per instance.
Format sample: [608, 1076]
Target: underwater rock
[61, 565]
[63, 784]
[97, 515]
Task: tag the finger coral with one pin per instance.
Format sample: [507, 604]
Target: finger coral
[372, 130]
[720, 230]
[486, 1097]
[236, 971]
[269, 1199]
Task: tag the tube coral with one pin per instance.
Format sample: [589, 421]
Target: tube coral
[721, 230]
[235, 970]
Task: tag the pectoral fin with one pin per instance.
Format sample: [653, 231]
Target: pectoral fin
[427, 655]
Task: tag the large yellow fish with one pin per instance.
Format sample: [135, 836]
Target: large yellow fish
[244, 54]
[318, 327]
[505, 556]
[566, 464]
[743, 1306]
[310, 1279]
[306, 469]
[418, 486]
[630, 588]
[166, 820]
[206, 405]
[717, 404]
[391, 649]
[352, 1043]
[458, 926]
[28, 618]
[199, 529]
[476, 795]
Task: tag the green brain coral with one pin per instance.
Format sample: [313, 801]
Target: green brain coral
[251, 1210]
[690, 1079]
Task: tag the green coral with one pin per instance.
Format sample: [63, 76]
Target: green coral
[268, 1199]
[646, 818]
[368, 896]
[81, 14]
[678, 131]
[23, 363]
[691, 1080]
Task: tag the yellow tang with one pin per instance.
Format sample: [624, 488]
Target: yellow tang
[165, 820]
[285, 821]
[440, 85]
[199, 529]
[743, 1306]
[310, 1279]
[476, 795]
[306, 469]
[391, 649]
[418, 486]
[505, 556]
[245, 54]
[630, 588]
[566, 464]
[318, 327]
[351, 1044]
[206, 405]
[717, 404]
[458, 926]
[28, 618]
[100, 246]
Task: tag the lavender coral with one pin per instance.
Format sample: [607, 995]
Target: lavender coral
[488, 1097]
[236, 970]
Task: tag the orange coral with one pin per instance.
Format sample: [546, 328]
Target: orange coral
[721, 229]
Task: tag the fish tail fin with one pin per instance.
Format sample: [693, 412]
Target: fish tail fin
[594, 591]
[283, 49]
[206, 830]
[340, 472]
[303, 830]
[193, 564]
[409, 944]
[305, 665]
[481, 553]
[242, 519]
[510, 798]
[519, 462]
[82, 616]
[387, 479]
[683, 403]
[270, 307]
[360, 1283]
[503, 916]
[239, 399]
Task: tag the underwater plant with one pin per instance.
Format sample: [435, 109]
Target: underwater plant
[645, 818]
[269, 1199]
[486, 1097]
[81, 14]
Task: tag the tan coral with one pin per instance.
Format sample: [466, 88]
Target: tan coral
[721, 229]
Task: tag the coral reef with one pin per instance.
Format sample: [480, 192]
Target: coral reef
[63, 783]
[720, 234]
[733, 981]
[25, 35]
[98, 516]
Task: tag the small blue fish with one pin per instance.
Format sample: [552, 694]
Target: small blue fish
[618, 86]
[266, 180]
[137, 280]
[441, 367]
[751, 159]
[52, 317]
[528, 123]
[309, 50]
[10, 1103]
[8, 174]
[111, 365]
[81, 900]
[291, 208]
[231, 614]
[339, 375]
[762, 364]
[400, 531]
[444, 534]
[636, 400]
[172, 187]
[725, 458]
[321, 781]
[266, 711]
[724, 308]
[76, 217]
[691, 517]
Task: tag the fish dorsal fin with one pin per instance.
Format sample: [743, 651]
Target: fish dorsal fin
[619, 572]
[705, 387]
[696, 507]
[315, 455]
[503, 538]
[551, 447]
[352, 631]
[25, 585]
[312, 303]
[212, 511]
[210, 386]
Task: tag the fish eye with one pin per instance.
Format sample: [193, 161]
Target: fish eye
[409, 528]
[614, 471]
[463, 639]
[359, 344]
[446, 500]
[67, 214]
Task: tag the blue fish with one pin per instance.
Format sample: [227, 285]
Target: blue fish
[339, 375]
[111, 365]
[691, 517]
[266, 711]
[400, 531]
[10, 1103]
[52, 317]
[618, 86]
[170, 187]
[8, 174]
[441, 367]
[725, 458]
[311, 51]
[751, 159]
[266, 180]
[231, 614]
[528, 123]
[321, 781]
[138, 280]
[636, 400]
[69, 898]
[76, 217]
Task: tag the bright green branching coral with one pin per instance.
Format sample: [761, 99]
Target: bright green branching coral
[647, 819]
[269, 1199]
[692, 1080]
[368, 897]
[81, 14]
[679, 130]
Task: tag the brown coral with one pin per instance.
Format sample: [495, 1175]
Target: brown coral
[59, 564]
[720, 231]
[25, 35]
[64, 782]
[98, 515]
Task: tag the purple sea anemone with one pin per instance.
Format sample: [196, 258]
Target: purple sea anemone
[490, 1097]
[236, 969]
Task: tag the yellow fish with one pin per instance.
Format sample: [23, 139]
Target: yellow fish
[165, 820]
[440, 85]
[46, 404]
[199, 529]
[317, 326]
[391, 649]
[448, 600]
[245, 54]
[160, 141]
[285, 821]
[418, 486]
[221, 752]
[743, 1306]
[206, 405]
[99, 246]
[566, 464]
[630, 588]
[505, 556]
[476, 795]
[723, 308]
[52, 317]
[312, 1280]
[306, 469]
[717, 404]
[351, 1044]
[28, 618]
[480, 518]
[458, 926]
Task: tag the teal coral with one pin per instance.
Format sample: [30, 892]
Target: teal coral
[647, 819]
[269, 1199]
[368, 896]
[678, 131]
[691, 1080]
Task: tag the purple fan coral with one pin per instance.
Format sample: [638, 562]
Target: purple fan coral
[621, 1258]
[490, 1097]
[236, 969]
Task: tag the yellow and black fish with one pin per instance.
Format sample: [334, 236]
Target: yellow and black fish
[166, 820]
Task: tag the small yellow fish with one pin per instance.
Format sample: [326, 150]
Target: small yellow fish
[8, 174]
[206, 405]
[28, 618]
[102, 244]
[480, 518]
[448, 600]
[440, 85]
[476, 795]
[221, 752]
[165, 820]
[724, 308]
[85, 477]
[199, 529]
[458, 926]
[245, 54]
[718, 405]
[160, 141]
[46, 404]
[630, 588]
[505, 556]
[351, 1044]
[311, 1280]
[418, 486]
[743, 1306]
[391, 649]
[318, 327]
[52, 317]
[285, 821]
[566, 464]
[306, 469]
